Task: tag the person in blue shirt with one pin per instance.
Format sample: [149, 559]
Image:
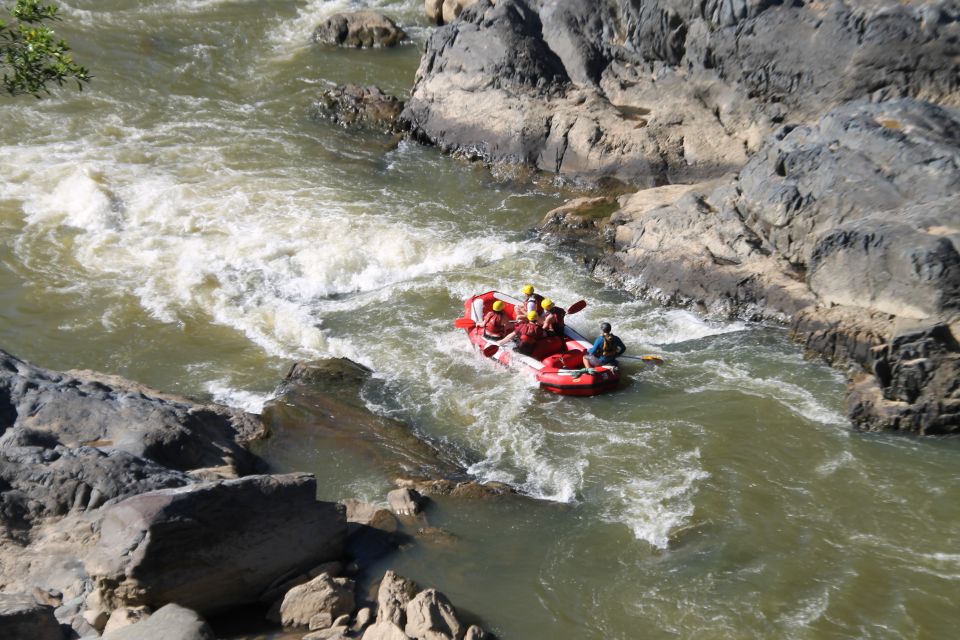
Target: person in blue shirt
[606, 348]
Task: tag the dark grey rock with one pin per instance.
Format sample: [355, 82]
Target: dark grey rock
[40, 481]
[847, 228]
[653, 80]
[352, 105]
[213, 545]
[86, 408]
[22, 618]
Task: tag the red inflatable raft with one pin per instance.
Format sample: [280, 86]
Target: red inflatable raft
[557, 362]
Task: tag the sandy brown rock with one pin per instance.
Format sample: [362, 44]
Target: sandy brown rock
[430, 616]
[171, 622]
[394, 594]
[361, 29]
[384, 631]
[318, 603]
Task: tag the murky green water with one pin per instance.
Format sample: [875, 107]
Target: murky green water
[184, 223]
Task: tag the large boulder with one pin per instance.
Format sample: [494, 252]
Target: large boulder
[171, 622]
[384, 631]
[80, 408]
[359, 29]
[22, 617]
[318, 603]
[212, 545]
[430, 616]
[393, 596]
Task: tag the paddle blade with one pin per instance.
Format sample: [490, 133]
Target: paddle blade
[464, 323]
[653, 359]
[490, 350]
[577, 306]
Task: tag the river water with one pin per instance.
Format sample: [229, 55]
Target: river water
[183, 222]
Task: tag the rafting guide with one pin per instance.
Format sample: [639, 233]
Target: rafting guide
[606, 348]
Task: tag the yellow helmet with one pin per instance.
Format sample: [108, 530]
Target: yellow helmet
[531, 315]
[498, 305]
[528, 289]
[547, 303]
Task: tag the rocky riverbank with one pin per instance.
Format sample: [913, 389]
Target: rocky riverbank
[130, 513]
[798, 163]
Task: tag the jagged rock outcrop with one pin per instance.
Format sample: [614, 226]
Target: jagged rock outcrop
[81, 408]
[118, 499]
[666, 90]
[848, 228]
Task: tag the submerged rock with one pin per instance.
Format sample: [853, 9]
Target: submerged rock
[322, 399]
[353, 104]
[361, 29]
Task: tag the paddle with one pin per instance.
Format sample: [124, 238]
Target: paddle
[464, 323]
[490, 350]
[646, 358]
[576, 306]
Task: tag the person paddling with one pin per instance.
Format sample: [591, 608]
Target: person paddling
[528, 333]
[533, 301]
[553, 318]
[495, 322]
[606, 349]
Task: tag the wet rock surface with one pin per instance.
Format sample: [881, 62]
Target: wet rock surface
[322, 398]
[353, 105]
[360, 29]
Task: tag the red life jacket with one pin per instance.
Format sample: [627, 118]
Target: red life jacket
[538, 303]
[556, 323]
[529, 332]
[494, 324]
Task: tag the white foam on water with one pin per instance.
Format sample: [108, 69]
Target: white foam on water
[844, 460]
[660, 502]
[800, 401]
[255, 255]
[808, 611]
[673, 326]
[222, 393]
